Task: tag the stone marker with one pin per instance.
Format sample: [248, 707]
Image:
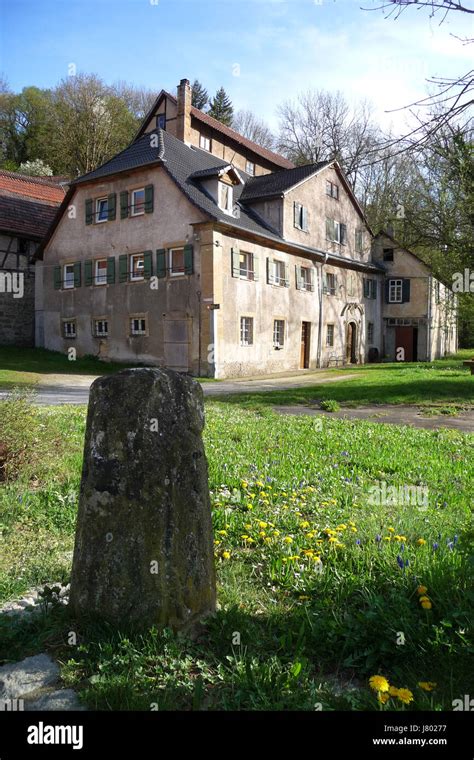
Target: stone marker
[144, 548]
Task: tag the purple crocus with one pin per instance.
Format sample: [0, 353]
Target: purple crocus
[358, 541]
[400, 562]
[378, 538]
[435, 546]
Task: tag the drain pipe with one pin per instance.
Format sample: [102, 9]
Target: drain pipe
[428, 327]
[320, 328]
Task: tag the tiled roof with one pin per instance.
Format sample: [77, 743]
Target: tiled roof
[39, 188]
[268, 185]
[139, 153]
[25, 216]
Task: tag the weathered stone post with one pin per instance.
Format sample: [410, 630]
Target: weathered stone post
[144, 549]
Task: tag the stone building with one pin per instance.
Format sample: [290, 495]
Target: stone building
[27, 208]
[196, 249]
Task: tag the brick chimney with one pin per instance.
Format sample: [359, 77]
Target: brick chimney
[183, 117]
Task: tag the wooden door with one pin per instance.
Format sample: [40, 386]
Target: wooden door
[351, 343]
[305, 344]
[404, 339]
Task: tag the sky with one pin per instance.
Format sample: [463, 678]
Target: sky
[262, 52]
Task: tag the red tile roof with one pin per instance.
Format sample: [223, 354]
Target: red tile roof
[43, 189]
[28, 204]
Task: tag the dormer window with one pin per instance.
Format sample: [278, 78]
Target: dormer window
[225, 197]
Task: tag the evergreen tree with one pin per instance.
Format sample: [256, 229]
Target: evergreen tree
[200, 96]
[221, 107]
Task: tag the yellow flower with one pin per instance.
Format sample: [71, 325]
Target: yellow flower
[262, 534]
[262, 525]
[393, 691]
[276, 532]
[421, 590]
[426, 605]
[222, 532]
[333, 540]
[379, 683]
[405, 696]
[303, 598]
[304, 524]
[262, 493]
[424, 599]
[249, 506]
[287, 540]
[353, 529]
[427, 685]
[391, 530]
[341, 527]
[259, 484]
[244, 484]
[225, 555]
[383, 697]
[248, 526]
[421, 542]
[387, 538]
[308, 552]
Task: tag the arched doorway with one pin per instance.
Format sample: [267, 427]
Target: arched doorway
[351, 343]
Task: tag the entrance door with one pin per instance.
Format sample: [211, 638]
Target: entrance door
[404, 338]
[176, 344]
[351, 343]
[305, 344]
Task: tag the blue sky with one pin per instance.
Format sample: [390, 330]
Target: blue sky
[261, 51]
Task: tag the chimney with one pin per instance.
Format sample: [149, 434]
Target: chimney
[183, 118]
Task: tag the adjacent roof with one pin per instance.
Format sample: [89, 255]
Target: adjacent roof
[28, 204]
[209, 121]
[277, 183]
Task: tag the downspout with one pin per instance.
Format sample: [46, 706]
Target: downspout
[320, 328]
[428, 331]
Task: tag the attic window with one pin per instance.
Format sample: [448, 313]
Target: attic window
[250, 168]
[205, 143]
[388, 254]
[332, 190]
[161, 121]
[225, 197]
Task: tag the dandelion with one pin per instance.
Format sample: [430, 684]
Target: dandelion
[225, 555]
[304, 598]
[393, 691]
[262, 525]
[421, 542]
[426, 605]
[222, 532]
[304, 524]
[405, 696]
[421, 590]
[383, 697]
[391, 530]
[424, 598]
[427, 685]
[288, 540]
[379, 683]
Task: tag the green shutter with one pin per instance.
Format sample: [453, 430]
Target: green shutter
[77, 274]
[366, 288]
[148, 199]
[147, 264]
[57, 278]
[111, 206]
[124, 204]
[343, 233]
[89, 212]
[88, 272]
[111, 270]
[405, 291]
[387, 291]
[123, 268]
[188, 259]
[161, 262]
[235, 254]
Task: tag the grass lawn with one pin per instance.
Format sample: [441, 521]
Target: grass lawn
[318, 578]
[442, 382]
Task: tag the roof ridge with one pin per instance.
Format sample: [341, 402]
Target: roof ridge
[31, 178]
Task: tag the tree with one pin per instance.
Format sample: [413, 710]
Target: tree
[36, 168]
[200, 96]
[138, 100]
[221, 107]
[25, 127]
[250, 126]
[320, 126]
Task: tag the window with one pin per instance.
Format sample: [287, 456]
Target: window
[370, 289]
[330, 288]
[359, 241]
[138, 202]
[22, 245]
[68, 276]
[225, 197]
[137, 326]
[161, 121]
[300, 217]
[336, 232]
[278, 333]
[388, 254]
[205, 143]
[100, 277]
[246, 266]
[137, 266]
[69, 329]
[101, 210]
[395, 291]
[370, 332]
[332, 190]
[101, 328]
[246, 331]
[329, 335]
[250, 168]
[277, 273]
[305, 278]
[176, 261]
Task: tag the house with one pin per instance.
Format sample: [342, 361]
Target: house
[196, 249]
[27, 208]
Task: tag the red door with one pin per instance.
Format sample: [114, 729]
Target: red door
[404, 339]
